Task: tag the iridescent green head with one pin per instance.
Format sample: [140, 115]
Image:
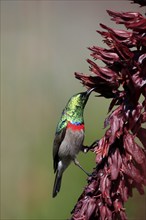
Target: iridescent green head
[78, 101]
[73, 112]
[75, 106]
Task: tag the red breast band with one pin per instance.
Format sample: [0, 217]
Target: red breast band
[75, 127]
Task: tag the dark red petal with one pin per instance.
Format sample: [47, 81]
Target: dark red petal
[133, 149]
[141, 58]
[131, 171]
[102, 210]
[141, 134]
[105, 55]
[92, 186]
[115, 164]
[104, 73]
[118, 205]
[123, 189]
[138, 81]
[124, 17]
[91, 207]
[116, 124]
[138, 26]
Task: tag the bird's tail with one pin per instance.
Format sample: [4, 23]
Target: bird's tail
[57, 183]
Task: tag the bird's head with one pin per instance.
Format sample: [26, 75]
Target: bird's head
[78, 101]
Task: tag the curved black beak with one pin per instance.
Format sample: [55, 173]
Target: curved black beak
[90, 90]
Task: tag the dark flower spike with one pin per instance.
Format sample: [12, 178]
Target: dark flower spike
[120, 160]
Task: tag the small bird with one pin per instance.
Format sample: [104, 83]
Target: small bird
[69, 136]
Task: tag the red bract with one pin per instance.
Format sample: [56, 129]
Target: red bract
[121, 161]
[107, 56]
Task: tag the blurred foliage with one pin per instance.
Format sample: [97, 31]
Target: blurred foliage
[42, 44]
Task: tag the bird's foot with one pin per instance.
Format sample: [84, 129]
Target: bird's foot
[85, 149]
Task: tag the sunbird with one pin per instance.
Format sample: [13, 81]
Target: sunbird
[69, 136]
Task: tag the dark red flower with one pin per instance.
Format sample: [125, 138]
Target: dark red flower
[121, 161]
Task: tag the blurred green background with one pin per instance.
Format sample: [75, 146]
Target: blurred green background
[42, 44]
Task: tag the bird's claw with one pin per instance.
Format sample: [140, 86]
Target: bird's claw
[85, 149]
[94, 144]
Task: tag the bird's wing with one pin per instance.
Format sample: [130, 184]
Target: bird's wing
[60, 134]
